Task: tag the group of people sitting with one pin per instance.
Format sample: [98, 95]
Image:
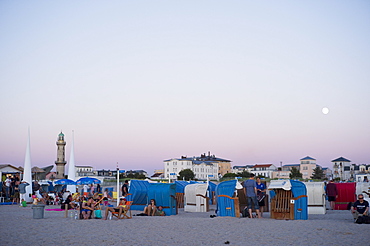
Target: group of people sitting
[89, 205]
[152, 210]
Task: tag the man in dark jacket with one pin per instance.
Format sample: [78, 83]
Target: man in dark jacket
[332, 193]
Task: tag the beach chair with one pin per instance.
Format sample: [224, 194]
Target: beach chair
[98, 204]
[126, 213]
[281, 205]
[196, 199]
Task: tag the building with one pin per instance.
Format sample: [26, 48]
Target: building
[204, 166]
[107, 173]
[7, 169]
[265, 170]
[83, 171]
[306, 167]
[60, 162]
[139, 172]
[342, 169]
[158, 174]
[327, 172]
[308, 164]
[240, 169]
[284, 171]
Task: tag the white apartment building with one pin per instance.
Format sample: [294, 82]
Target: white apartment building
[240, 169]
[263, 170]
[343, 169]
[82, 171]
[203, 167]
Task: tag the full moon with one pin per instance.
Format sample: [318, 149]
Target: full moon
[325, 110]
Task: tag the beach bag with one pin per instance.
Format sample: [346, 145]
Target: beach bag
[245, 213]
[141, 214]
[363, 219]
[97, 214]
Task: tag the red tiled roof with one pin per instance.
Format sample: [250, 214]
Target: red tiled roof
[262, 165]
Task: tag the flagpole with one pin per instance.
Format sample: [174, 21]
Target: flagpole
[117, 185]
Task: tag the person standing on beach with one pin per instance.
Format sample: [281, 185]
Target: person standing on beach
[22, 190]
[261, 193]
[250, 190]
[125, 188]
[332, 193]
[8, 183]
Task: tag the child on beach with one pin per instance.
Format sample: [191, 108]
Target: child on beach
[160, 211]
[23, 203]
[106, 196]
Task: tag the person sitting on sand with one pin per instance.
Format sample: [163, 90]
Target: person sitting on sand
[87, 208]
[360, 207]
[151, 208]
[121, 206]
[160, 211]
[68, 202]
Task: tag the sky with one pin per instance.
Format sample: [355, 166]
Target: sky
[140, 82]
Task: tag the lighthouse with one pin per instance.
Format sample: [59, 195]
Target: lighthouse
[60, 162]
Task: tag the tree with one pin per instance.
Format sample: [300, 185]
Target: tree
[230, 175]
[186, 174]
[318, 173]
[135, 176]
[244, 174]
[295, 173]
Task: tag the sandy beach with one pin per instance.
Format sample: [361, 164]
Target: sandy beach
[334, 228]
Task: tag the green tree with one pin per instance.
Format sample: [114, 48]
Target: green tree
[244, 174]
[230, 175]
[295, 173]
[186, 174]
[135, 176]
[318, 173]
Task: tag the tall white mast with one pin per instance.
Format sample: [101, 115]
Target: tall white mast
[27, 174]
[71, 166]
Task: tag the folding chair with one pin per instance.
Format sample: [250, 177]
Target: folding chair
[125, 212]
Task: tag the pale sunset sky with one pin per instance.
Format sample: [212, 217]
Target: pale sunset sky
[140, 82]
